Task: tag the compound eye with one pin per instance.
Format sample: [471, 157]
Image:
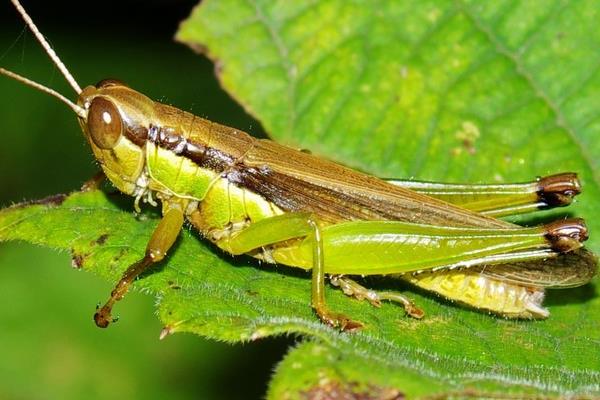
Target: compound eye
[104, 123]
[104, 83]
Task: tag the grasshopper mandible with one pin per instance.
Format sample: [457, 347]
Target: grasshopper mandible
[280, 205]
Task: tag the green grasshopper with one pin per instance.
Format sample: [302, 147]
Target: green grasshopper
[280, 205]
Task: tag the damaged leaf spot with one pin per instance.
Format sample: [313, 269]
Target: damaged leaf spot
[120, 255]
[173, 285]
[351, 391]
[467, 135]
[102, 239]
[77, 260]
[53, 201]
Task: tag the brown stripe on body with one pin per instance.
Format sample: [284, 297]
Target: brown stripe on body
[296, 181]
[262, 181]
[169, 139]
[208, 144]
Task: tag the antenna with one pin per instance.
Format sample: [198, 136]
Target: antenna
[51, 53]
[80, 111]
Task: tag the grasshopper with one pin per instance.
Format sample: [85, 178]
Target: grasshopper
[280, 205]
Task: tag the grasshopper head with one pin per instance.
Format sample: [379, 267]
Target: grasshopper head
[114, 118]
[116, 122]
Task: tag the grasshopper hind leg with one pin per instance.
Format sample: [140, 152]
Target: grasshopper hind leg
[284, 227]
[359, 292]
[318, 303]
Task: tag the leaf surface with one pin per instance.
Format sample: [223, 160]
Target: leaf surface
[456, 91]
[461, 91]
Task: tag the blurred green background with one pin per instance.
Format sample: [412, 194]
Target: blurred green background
[49, 346]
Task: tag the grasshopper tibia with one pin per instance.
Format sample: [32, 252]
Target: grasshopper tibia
[161, 241]
[318, 303]
[103, 316]
[558, 190]
[566, 235]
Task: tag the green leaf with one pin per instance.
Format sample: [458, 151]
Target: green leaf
[460, 91]
[203, 291]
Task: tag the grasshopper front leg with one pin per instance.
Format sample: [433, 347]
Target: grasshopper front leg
[94, 182]
[161, 241]
[274, 230]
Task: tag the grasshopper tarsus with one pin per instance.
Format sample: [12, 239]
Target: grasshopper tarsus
[335, 320]
[359, 292]
[339, 321]
[414, 312]
[102, 317]
[351, 326]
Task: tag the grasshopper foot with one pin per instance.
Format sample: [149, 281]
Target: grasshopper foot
[414, 311]
[337, 320]
[103, 316]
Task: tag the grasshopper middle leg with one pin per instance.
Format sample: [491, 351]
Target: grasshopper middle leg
[359, 292]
